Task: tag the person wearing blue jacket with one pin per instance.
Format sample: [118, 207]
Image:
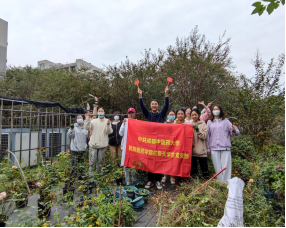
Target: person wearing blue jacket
[158, 117]
[154, 115]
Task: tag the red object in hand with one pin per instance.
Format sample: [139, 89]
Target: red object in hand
[137, 83]
[169, 80]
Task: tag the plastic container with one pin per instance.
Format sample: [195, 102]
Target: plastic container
[67, 190]
[130, 192]
[21, 203]
[138, 184]
[138, 204]
[44, 209]
[82, 198]
[123, 193]
[145, 196]
[107, 192]
[3, 219]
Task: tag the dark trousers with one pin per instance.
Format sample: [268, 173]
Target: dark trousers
[154, 177]
[203, 165]
[76, 157]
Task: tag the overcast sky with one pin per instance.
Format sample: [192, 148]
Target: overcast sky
[105, 32]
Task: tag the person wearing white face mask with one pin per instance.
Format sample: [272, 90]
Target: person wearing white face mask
[78, 136]
[98, 143]
[218, 142]
[115, 138]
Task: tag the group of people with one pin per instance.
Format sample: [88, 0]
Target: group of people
[212, 131]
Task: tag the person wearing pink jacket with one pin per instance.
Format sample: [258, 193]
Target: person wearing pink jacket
[203, 117]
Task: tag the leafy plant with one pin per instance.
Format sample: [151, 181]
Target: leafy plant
[206, 207]
[64, 166]
[110, 171]
[6, 209]
[258, 104]
[272, 5]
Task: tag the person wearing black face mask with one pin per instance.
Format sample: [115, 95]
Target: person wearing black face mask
[115, 138]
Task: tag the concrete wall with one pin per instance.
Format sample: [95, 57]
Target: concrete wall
[47, 64]
[3, 47]
[79, 63]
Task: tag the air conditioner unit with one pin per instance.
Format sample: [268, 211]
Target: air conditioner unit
[58, 139]
[15, 137]
[38, 140]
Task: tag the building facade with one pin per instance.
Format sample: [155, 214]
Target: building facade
[79, 63]
[3, 47]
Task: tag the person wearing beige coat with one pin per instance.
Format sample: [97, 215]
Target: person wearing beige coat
[199, 153]
[98, 143]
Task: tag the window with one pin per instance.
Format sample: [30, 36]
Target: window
[42, 66]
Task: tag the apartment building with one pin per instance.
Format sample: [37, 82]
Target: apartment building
[75, 66]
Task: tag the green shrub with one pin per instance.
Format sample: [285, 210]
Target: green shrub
[206, 207]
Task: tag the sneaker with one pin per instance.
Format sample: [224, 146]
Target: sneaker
[158, 185]
[164, 179]
[173, 181]
[148, 185]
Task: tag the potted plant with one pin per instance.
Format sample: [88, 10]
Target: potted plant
[142, 192]
[130, 190]
[65, 164]
[44, 208]
[19, 194]
[6, 208]
[138, 171]
[31, 179]
[44, 202]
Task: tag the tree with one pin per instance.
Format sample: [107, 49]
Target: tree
[260, 8]
[201, 71]
[259, 103]
[67, 88]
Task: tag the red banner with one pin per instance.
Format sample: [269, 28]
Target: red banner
[162, 148]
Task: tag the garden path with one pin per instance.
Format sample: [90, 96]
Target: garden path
[145, 218]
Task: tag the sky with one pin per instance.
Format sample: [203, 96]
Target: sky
[105, 32]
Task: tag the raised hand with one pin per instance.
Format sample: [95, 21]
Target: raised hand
[124, 120]
[166, 91]
[140, 93]
[108, 122]
[233, 128]
[210, 104]
[87, 116]
[201, 103]
[96, 99]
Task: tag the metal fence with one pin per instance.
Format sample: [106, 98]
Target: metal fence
[25, 128]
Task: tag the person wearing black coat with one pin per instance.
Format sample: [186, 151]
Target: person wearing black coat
[115, 138]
